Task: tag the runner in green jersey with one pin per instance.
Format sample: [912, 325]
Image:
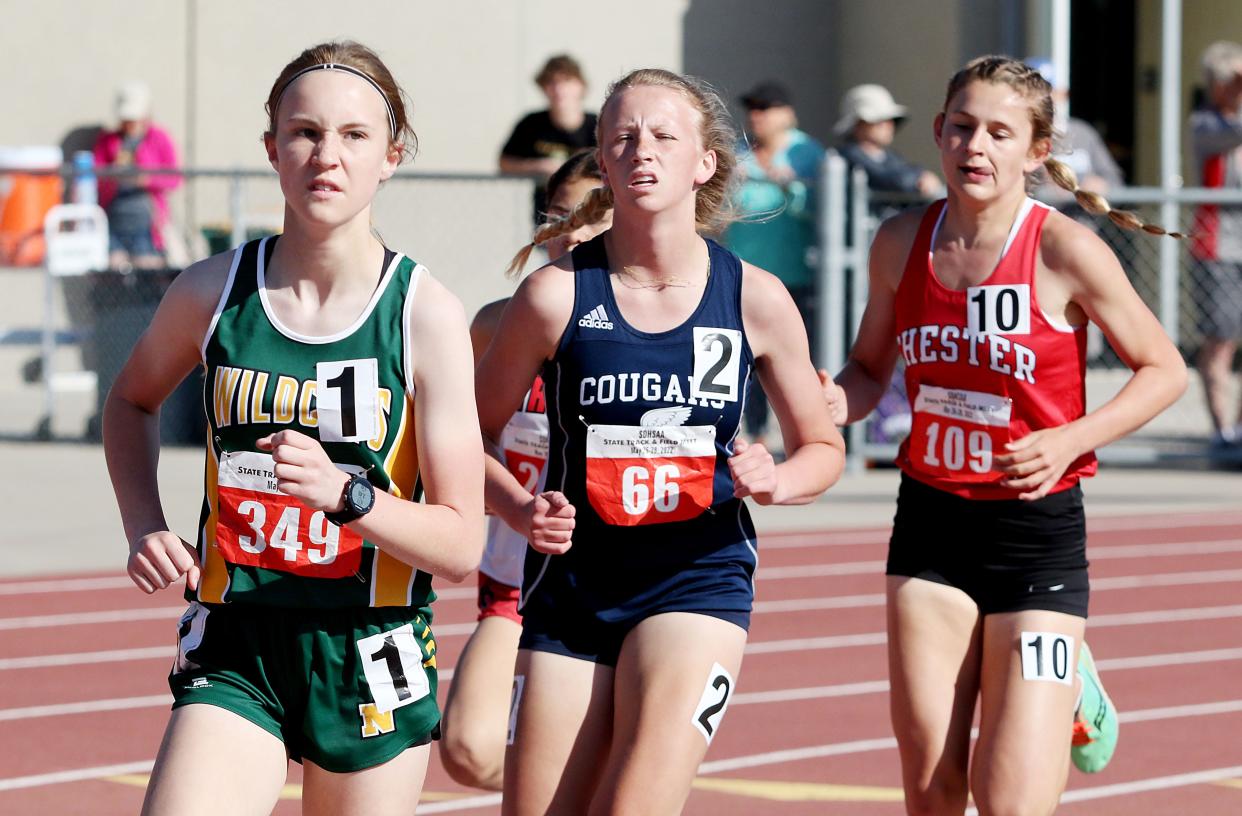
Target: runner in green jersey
[343, 470]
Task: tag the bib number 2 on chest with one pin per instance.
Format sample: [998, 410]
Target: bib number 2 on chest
[717, 357]
[347, 399]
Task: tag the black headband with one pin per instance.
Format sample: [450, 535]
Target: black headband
[349, 69]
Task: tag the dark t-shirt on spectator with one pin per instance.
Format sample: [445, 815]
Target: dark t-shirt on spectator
[536, 137]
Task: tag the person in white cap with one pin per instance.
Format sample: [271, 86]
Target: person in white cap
[137, 205]
[869, 119]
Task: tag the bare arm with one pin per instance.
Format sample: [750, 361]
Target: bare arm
[444, 535]
[868, 369]
[529, 331]
[1081, 268]
[814, 447]
[167, 351]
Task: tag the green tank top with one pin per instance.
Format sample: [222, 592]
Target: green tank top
[353, 392]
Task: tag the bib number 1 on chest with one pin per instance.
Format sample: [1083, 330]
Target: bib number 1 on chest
[347, 399]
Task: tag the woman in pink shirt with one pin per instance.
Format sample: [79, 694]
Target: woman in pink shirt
[137, 205]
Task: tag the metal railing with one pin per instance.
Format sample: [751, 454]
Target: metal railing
[463, 226]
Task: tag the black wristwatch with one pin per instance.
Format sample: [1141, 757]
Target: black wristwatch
[359, 498]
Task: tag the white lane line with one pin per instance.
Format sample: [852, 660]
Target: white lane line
[810, 693]
[1097, 585]
[86, 707]
[1162, 521]
[1168, 579]
[66, 585]
[1173, 712]
[788, 605]
[802, 541]
[76, 775]
[811, 644]
[820, 570]
[170, 613]
[471, 803]
[1180, 548]
[1155, 616]
[85, 658]
[1174, 659]
[716, 766]
[805, 604]
[864, 746]
[1115, 664]
[1144, 785]
[797, 754]
[1164, 616]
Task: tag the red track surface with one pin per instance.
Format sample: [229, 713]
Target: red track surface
[811, 716]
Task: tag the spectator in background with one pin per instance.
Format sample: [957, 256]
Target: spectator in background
[1216, 138]
[543, 140]
[1080, 148]
[137, 205]
[868, 123]
[777, 165]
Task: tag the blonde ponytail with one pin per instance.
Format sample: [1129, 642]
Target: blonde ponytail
[1096, 204]
[591, 210]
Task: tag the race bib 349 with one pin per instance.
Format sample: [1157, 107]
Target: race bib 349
[259, 526]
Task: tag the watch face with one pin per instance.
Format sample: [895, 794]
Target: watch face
[361, 495]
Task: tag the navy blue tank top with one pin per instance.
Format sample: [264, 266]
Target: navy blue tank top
[641, 426]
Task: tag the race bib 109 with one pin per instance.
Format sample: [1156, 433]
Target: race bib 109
[956, 432]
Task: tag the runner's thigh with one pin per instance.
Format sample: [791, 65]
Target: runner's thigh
[390, 788]
[675, 676]
[1027, 709]
[562, 726]
[933, 657]
[213, 761]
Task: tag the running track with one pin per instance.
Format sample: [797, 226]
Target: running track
[83, 698]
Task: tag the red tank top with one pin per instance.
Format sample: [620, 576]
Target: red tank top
[984, 365]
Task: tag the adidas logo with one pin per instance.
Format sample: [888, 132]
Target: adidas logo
[597, 318]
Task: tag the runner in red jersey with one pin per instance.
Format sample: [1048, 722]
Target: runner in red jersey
[986, 297]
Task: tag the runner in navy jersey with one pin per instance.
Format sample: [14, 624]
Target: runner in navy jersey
[476, 714]
[638, 587]
[986, 295]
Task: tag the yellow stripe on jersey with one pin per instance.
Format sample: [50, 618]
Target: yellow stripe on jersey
[393, 578]
[401, 464]
[214, 581]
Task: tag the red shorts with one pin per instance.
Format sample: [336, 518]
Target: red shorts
[499, 599]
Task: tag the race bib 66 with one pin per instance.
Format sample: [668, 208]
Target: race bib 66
[650, 475]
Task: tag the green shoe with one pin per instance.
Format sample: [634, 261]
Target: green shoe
[1095, 721]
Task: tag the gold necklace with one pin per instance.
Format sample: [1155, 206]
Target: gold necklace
[658, 284]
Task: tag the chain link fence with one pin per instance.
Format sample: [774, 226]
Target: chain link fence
[1179, 288]
[58, 361]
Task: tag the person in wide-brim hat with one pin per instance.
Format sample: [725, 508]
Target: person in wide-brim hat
[870, 104]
